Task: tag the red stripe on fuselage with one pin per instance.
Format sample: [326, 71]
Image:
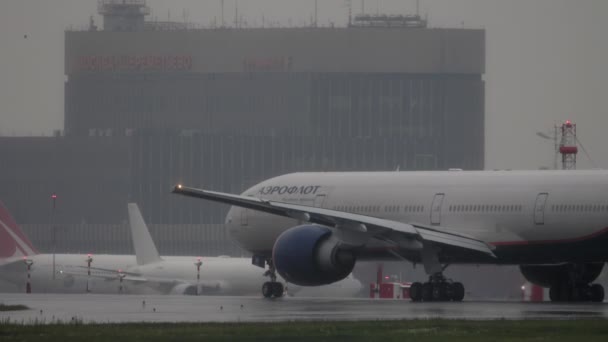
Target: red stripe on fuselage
[548, 242]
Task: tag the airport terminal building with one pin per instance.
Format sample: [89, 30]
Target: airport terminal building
[148, 105]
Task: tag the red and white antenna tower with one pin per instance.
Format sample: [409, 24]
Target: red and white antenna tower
[567, 145]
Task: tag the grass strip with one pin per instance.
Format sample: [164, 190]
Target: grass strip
[413, 330]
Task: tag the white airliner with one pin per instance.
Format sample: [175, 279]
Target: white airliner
[144, 272]
[312, 227]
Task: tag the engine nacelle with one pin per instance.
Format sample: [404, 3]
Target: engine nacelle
[309, 255]
[548, 275]
[184, 289]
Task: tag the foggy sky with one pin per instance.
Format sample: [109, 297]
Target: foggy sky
[546, 61]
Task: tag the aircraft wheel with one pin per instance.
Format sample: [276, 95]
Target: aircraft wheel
[597, 293]
[416, 292]
[439, 292]
[267, 289]
[457, 292]
[577, 294]
[554, 293]
[565, 293]
[427, 292]
[277, 289]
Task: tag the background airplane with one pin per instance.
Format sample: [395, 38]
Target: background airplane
[144, 272]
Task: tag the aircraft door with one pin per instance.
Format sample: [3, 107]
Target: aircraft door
[539, 208]
[319, 199]
[436, 209]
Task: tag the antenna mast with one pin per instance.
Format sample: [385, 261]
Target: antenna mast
[222, 5]
[567, 146]
[316, 13]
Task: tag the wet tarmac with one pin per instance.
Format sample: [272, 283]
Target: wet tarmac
[88, 308]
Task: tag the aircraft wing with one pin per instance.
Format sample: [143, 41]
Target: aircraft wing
[210, 286]
[381, 229]
[105, 274]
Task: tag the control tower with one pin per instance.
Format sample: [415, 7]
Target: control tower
[123, 15]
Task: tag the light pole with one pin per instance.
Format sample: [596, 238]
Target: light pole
[28, 263]
[121, 276]
[54, 230]
[198, 264]
[89, 260]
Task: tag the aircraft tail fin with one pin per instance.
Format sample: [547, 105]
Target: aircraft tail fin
[13, 242]
[145, 249]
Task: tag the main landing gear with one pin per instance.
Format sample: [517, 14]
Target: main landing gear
[574, 284]
[437, 289]
[566, 292]
[272, 288]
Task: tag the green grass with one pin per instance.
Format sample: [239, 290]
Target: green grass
[4, 307]
[415, 330]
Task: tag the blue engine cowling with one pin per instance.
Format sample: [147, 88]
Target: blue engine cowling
[308, 255]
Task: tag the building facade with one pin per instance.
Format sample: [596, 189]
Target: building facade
[226, 108]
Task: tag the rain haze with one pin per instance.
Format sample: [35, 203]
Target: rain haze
[100, 108]
[544, 62]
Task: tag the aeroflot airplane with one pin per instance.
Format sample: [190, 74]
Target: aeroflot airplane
[312, 227]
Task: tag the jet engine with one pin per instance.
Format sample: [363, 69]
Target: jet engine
[549, 275]
[310, 255]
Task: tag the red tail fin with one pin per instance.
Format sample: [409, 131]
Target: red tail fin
[13, 243]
